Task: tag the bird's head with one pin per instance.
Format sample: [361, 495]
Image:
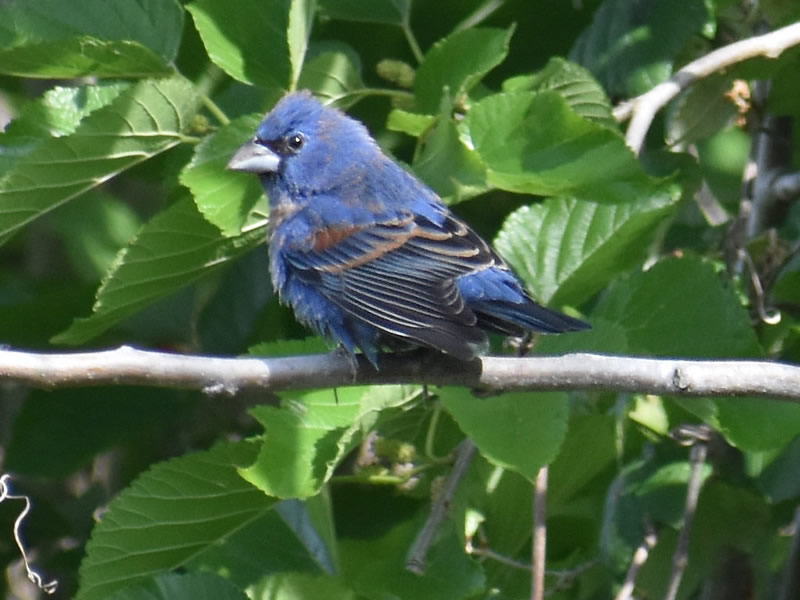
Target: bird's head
[306, 147]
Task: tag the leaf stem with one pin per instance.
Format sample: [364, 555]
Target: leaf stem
[215, 110]
[412, 41]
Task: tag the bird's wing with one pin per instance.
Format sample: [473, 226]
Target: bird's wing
[399, 276]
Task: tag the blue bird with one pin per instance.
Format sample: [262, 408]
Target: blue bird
[367, 255]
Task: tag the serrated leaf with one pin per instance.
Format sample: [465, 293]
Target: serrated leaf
[71, 38]
[175, 248]
[248, 39]
[457, 63]
[535, 143]
[168, 515]
[83, 56]
[566, 250]
[632, 46]
[310, 434]
[446, 164]
[155, 24]
[60, 110]
[198, 586]
[225, 199]
[521, 431]
[682, 307]
[390, 12]
[574, 83]
[143, 121]
[332, 71]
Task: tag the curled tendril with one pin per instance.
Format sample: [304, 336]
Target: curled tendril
[5, 494]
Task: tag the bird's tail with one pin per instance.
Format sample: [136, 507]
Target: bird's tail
[511, 318]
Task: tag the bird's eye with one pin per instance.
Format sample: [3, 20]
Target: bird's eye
[295, 141]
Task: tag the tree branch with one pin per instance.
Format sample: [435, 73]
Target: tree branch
[642, 109]
[227, 376]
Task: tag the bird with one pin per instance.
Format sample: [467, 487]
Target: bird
[366, 254]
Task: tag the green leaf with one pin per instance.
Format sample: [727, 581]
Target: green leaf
[301, 18]
[566, 250]
[457, 63]
[632, 46]
[198, 586]
[682, 307]
[332, 71]
[413, 124]
[446, 164]
[140, 122]
[249, 39]
[225, 199]
[574, 83]
[374, 566]
[534, 143]
[93, 229]
[167, 516]
[82, 57]
[390, 12]
[701, 111]
[308, 436]
[297, 586]
[521, 431]
[60, 110]
[103, 38]
[175, 248]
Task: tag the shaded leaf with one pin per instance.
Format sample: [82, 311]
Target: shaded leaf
[175, 248]
[167, 516]
[391, 12]
[575, 83]
[143, 121]
[701, 111]
[632, 46]
[198, 586]
[521, 431]
[332, 71]
[457, 63]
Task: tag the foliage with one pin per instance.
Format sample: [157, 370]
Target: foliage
[112, 183]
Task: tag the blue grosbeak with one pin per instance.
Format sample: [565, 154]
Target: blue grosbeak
[366, 254]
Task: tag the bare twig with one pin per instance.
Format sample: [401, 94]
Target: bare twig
[639, 558]
[697, 437]
[418, 553]
[48, 587]
[642, 109]
[539, 546]
[580, 371]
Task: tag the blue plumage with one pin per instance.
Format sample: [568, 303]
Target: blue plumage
[369, 256]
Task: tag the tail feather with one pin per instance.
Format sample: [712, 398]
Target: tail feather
[511, 318]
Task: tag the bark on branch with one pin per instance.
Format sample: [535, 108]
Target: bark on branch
[227, 376]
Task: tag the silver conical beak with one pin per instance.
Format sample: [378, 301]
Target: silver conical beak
[252, 157]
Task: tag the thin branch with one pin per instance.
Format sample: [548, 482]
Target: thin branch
[642, 109]
[639, 558]
[417, 555]
[539, 546]
[227, 376]
[697, 437]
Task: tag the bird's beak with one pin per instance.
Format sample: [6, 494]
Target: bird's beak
[252, 157]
